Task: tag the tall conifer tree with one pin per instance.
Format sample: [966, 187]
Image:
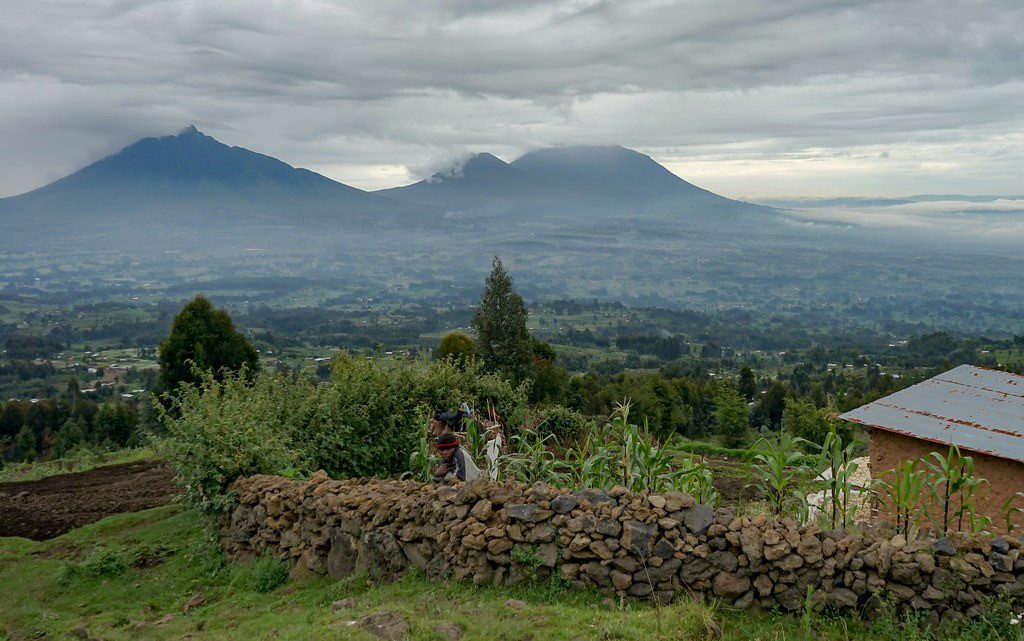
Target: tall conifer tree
[503, 341]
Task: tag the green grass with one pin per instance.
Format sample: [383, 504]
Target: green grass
[80, 461]
[131, 576]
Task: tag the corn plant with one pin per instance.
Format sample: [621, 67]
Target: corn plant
[905, 494]
[476, 441]
[838, 484]
[951, 481]
[694, 477]
[421, 462]
[589, 463]
[531, 459]
[1010, 510]
[778, 469]
[648, 466]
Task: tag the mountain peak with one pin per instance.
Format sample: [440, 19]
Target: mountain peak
[475, 165]
[190, 130]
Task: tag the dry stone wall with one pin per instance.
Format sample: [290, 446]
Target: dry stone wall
[655, 546]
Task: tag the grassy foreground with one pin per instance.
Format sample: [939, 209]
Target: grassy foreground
[159, 574]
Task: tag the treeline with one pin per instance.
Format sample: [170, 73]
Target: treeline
[54, 427]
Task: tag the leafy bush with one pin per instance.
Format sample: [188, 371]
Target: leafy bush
[104, 563]
[563, 423]
[366, 422]
[456, 346]
[228, 428]
[263, 575]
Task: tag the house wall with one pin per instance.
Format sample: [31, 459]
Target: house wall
[1005, 477]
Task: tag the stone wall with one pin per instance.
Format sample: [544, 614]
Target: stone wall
[639, 545]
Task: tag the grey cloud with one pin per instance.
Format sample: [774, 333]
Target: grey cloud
[409, 82]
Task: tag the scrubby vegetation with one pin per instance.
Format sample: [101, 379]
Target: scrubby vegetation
[366, 421]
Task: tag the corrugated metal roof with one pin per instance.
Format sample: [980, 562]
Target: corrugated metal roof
[980, 410]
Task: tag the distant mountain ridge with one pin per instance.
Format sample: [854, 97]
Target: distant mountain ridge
[592, 180]
[193, 188]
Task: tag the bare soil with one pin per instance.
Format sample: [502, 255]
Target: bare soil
[49, 507]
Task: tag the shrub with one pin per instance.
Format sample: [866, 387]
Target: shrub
[456, 346]
[366, 422]
[263, 575]
[227, 428]
[104, 563]
[561, 422]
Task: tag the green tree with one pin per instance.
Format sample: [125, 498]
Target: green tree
[805, 421]
[457, 346]
[24, 446]
[500, 324]
[116, 423]
[550, 381]
[731, 414]
[70, 436]
[205, 336]
[773, 404]
[747, 383]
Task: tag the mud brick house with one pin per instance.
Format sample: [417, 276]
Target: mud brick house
[979, 410]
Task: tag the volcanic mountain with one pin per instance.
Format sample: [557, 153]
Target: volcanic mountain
[192, 179]
[595, 181]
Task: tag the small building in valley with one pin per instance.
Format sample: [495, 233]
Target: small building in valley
[979, 410]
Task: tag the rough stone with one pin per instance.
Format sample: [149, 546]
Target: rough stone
[386, 625]
[527, 512]
[595, 497]
[637, 537]
[730, 586]
[449, 631]
[632, 544]
[697, 519]
[564, 504]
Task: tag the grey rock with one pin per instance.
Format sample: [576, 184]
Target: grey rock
[1000, 545]
[637, 537]
[842, 598]
[608, 527]
[344, 604]
[640, 589]
[386, 625]
[527, 512]
[449, 631]
[730, 586]
[664, 549]
[1000, 562]
[564, 504]
[595, 497]
[943, 547]
[515, 604]
[697, 519]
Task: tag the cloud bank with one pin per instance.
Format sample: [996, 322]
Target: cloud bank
[748, 98]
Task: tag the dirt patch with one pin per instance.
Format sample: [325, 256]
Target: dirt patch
[50, 507]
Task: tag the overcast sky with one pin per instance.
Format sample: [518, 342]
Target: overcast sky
[757, 98]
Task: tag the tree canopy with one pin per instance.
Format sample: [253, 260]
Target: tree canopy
[457, 346]
[207, 337]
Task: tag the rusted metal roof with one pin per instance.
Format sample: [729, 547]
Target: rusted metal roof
[976, 409]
